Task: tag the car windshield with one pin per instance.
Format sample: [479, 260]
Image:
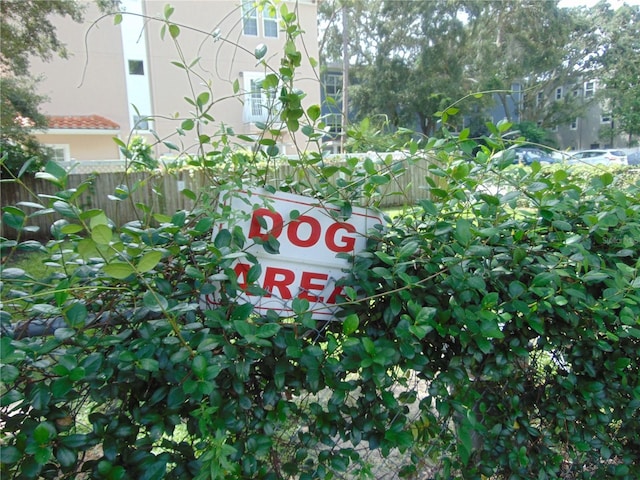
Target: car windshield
[533, 152]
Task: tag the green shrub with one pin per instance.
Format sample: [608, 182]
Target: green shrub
[140, 155]
[493, 330]
[520, 312]
[15, 160]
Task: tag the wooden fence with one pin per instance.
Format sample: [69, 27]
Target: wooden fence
[162, 193]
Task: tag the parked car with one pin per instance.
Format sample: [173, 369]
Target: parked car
[599, 157]
[633, 158]
[560, 156]
[528, 155]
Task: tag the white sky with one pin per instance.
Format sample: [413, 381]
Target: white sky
[590, 3]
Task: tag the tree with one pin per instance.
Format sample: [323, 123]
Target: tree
[620, 68]
[26, 30]
[406, 74]
[526, 43]
[413, 59]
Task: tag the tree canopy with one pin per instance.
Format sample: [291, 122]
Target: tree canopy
[621, 66]
[27, 30]
[410, 60]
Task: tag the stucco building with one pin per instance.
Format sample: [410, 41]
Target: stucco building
[145, 74]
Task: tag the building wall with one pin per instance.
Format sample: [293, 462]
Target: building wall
[584, 133]
[85, 146]
[91, 80]
[97, 83]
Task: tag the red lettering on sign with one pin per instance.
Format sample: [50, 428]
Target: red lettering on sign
[348, 242]
[242, 269]
[306, 285]
[336, 291]
[314, 234]
[333, 239]
[279, 278]
[255, 227]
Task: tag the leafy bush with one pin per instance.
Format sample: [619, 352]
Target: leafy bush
[491, 330]
[140, 155]
[15, 160]
[520, 311]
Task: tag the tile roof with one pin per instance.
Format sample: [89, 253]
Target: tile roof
[85, 122]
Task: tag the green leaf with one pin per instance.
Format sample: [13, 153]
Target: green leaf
[562, 225]
[314, 112]
[203, 99]
[44, 432]
[260, 51]
[223, 238]
[13, 217]
[13, 273]
[244, 328]
[154, 301]
[268, 330]
[9, 455]
[119, 270]
[204, 225]
[66, 456]
[48, 177]
[76, 315]
[42, 454]
[595, 276]
[71, 228]
[149, 261]
[350, 324]
[463, 231]
[174, 31]
[101, 234]
[64, 209]
[193, 272]
[149, 364]
[154, 469]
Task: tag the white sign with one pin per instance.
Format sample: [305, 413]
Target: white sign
[310, 235]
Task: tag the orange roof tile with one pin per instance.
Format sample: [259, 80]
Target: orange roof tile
[88, 122]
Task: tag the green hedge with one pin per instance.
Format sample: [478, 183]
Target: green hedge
[490, 331]
[484, 334]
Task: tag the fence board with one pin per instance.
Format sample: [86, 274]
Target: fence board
[161, 192]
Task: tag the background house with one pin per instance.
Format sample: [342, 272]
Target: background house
[331, 96]
[587, 130]
[130, 79]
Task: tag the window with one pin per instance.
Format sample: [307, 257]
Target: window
[141, 122]
[59, 152]
[136, 67]
[260, 103]
[605, 118]
[270, 22]
[539, 99]
[574, 124]
[589, 89]
[333, 86]
[251, 19]
[334, 125]
[559, 93]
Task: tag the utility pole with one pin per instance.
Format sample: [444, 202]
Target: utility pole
[345, 74]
